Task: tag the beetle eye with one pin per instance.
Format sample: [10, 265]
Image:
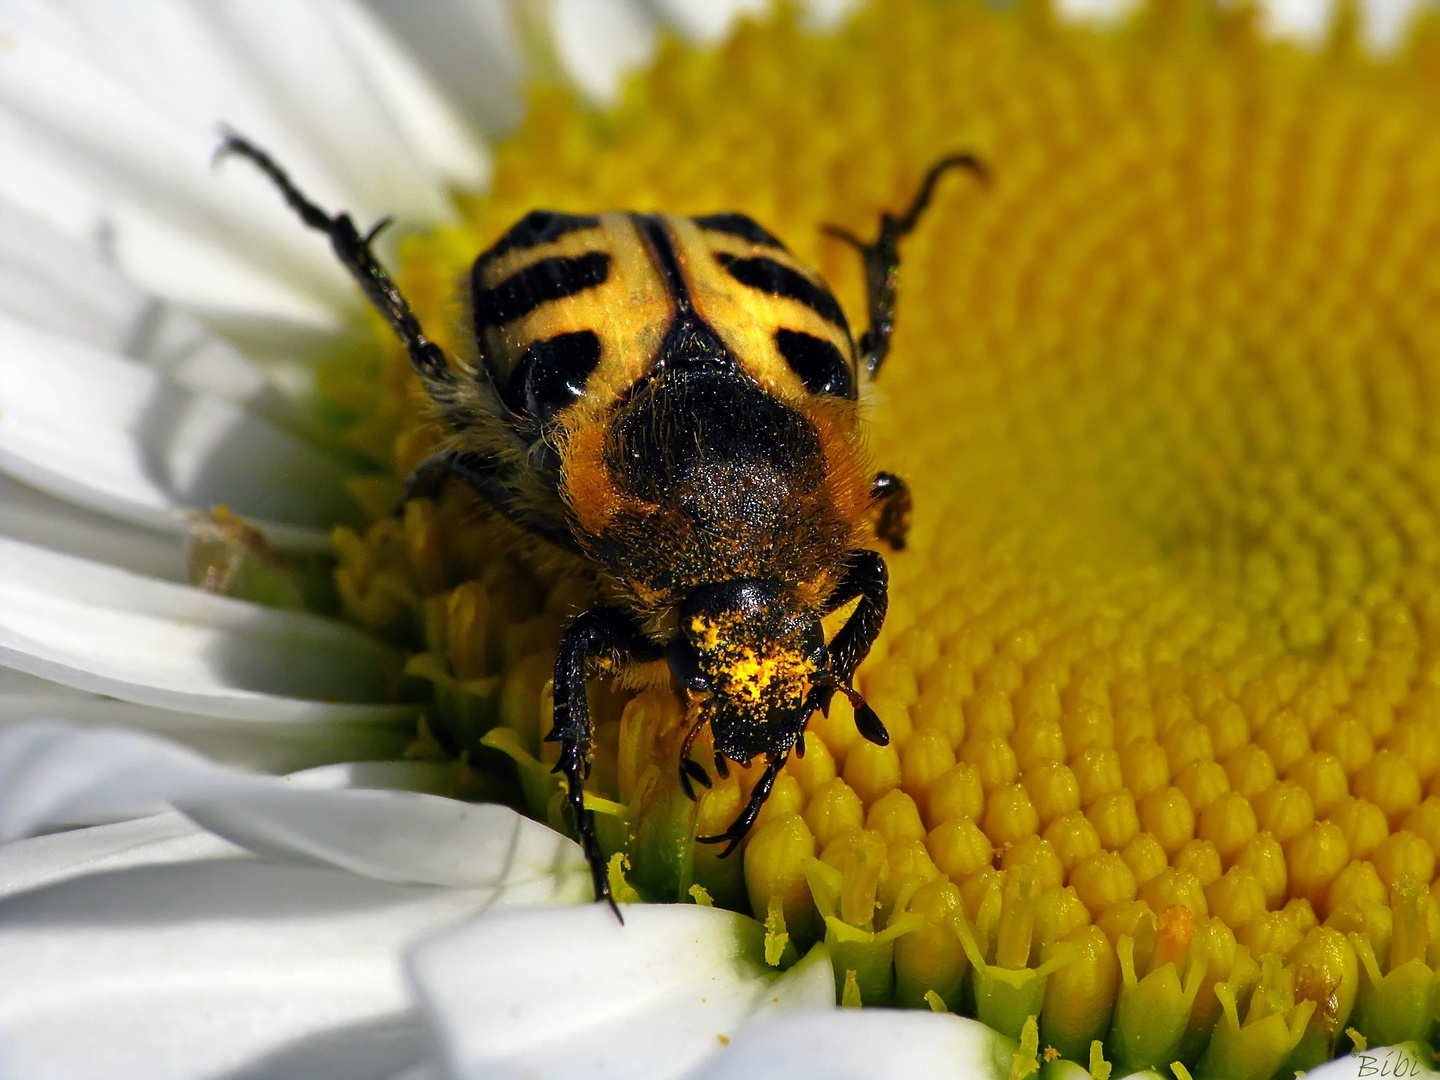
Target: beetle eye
[684, 663]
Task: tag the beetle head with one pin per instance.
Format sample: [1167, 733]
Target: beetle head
[756, 655]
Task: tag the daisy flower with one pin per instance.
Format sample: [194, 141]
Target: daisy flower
[1162, 790]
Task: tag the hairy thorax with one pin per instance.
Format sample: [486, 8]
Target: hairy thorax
[702, 477]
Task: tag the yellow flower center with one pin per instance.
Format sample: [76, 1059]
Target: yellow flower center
[1162, 662]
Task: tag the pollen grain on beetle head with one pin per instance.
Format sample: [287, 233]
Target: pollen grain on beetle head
[1161, 670]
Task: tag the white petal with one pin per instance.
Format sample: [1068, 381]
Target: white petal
[122, 105]
[420, 1072]
[253, 745]
[598, 41]
[54, 775]
[52, 283]
[430, 125]
[471, 48]
[708, 20]
[121, 438]
[149, 841]
[102, 161]
[211, 965]
[864, 1044]
[1096, 10]
[1306, 20]
[829, 14]
[100, 629]
[401, 836]
[43, 520]
[587, 997]
[151, 949]
[1386, 21]
[1383, 23]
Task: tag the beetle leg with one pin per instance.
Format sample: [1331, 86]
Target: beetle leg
[893, 497]
[485, 476]
[866, 577]
[354, 252]
[690, 769]
[775, 761]
[882, 259]
[732, 836]
[591, 634]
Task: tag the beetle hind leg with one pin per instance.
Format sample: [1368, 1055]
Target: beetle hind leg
[881, 258]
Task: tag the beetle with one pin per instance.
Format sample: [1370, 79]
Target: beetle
[676, 401]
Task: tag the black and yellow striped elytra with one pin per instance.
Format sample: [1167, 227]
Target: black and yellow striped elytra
[569, 305]
[673, 401]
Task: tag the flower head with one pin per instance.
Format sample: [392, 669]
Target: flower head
[1156, 669]
[1154, 664]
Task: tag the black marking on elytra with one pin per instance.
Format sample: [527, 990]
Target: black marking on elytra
[741, 225]
[818, 363]
[525, 290]
[690, 341]
[551, 375]
[653, 229]
[536, 228]
[777, 279]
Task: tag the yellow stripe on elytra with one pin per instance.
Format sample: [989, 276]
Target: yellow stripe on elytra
[745, 318]
[629, 311]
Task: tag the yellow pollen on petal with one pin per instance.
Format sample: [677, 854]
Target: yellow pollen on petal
[1161, 666]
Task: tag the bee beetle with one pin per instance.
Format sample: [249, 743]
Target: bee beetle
[674, 400]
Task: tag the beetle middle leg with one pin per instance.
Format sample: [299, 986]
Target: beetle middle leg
[892, 495]
[689, 768]
[590, 635]
[485, 476]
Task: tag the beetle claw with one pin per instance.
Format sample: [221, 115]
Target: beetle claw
[692, 770]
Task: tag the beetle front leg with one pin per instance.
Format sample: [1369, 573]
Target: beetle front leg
[732, 836]
[590, 635]
[355, 253]
[775, 761]
[867, 577]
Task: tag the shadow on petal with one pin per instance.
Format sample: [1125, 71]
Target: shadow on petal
[229, 889]
[372, 1050]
